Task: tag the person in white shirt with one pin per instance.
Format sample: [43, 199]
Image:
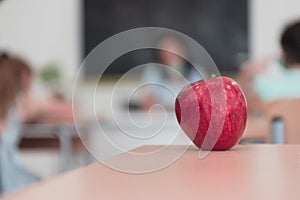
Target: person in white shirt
[171, 74]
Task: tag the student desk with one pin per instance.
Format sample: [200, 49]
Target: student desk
[258, 171]
[58, 136]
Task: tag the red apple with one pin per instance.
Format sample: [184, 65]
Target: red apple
[212, 113]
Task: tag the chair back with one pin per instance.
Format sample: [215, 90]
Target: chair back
[289, 111]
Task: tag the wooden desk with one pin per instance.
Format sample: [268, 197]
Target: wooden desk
[246, 172]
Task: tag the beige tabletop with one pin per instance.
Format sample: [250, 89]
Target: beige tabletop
[245, 172]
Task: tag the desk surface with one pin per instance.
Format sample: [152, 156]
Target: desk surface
[245, 172]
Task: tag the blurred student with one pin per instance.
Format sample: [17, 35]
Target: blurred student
[285, 84]
[8, 89]
[273, 78]
[12, 174]
[34, 109]
[169, 78]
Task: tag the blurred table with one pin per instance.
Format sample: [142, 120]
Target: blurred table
[62, 136]
[245, 172]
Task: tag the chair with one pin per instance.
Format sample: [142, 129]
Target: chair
[289, 111]
[256, 130]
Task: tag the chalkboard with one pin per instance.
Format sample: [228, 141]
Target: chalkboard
[220, 26]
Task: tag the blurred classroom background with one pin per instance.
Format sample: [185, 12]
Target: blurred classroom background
[53, 37]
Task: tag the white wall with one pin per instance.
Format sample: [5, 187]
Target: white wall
[45, 31]
[267, 19]
[42, 31]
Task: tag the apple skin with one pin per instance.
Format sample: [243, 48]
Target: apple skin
[195, 113]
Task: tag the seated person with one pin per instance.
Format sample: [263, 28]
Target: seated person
[173, 73]
[34, 109]
[12, 174]
[285, 84]
[272, 78]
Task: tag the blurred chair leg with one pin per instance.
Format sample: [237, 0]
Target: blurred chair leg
[65, 139]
